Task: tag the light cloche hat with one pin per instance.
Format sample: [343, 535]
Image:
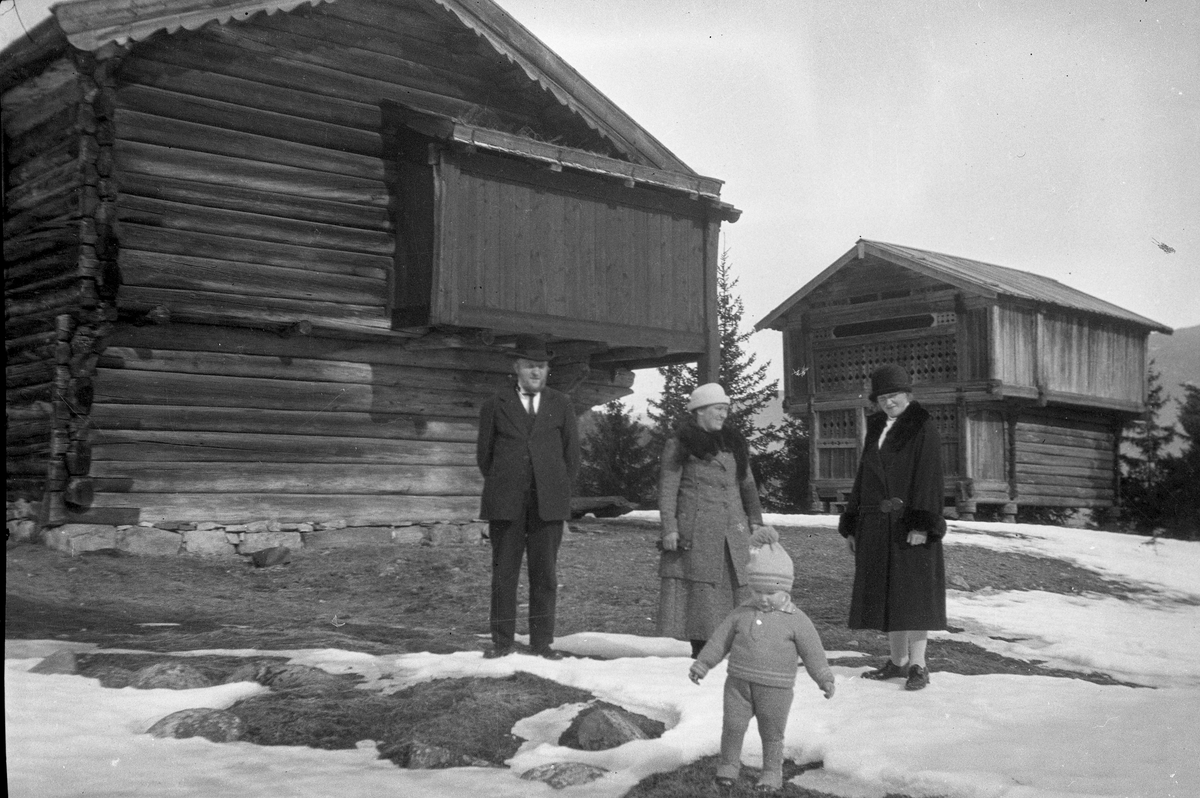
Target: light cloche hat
[710, 393]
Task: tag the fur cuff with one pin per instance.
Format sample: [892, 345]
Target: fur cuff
[932, 524]
[847, 524]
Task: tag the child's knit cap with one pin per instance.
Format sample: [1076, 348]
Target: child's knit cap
[771, 569]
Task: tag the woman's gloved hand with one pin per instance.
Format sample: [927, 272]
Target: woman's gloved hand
[762, 535]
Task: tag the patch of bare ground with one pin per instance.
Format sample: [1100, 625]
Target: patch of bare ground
[396, 599]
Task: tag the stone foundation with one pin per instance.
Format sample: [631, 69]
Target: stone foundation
[231, 540]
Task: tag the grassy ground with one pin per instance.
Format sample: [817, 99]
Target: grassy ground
[389, 599]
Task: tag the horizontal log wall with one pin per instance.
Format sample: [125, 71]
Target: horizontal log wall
[1065, 460]
[252, 181]
[243, 164]
[60, 274]
[200, 423]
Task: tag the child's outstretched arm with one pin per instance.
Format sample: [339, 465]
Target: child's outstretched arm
[812, 652]
[714, 650]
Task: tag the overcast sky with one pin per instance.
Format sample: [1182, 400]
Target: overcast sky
[1059, 138]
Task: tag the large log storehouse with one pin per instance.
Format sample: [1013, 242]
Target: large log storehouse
[264, 259]
[1030, 381]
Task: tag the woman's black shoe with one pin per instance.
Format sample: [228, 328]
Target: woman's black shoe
[890, 670]
[918, 678]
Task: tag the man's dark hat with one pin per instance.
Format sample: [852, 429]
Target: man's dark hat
[532, 347]
[889, 379]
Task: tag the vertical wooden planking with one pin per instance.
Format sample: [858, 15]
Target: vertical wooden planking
[710, 365]
[594, 305]
[660, 267]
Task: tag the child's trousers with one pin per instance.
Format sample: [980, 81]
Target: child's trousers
[770, 705]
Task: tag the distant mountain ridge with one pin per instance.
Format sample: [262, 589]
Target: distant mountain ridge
[1177, 360]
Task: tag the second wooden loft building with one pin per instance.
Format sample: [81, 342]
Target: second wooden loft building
[1030, 381]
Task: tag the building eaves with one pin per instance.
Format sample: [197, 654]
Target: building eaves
[986, 279]
[541, 64]
[1015, 283]
[558, 157]
[91, 24]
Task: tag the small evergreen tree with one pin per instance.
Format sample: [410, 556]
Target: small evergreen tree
[1144, 479]
[740, 374]
[616, 458]
[744, 379]
[786, 469]
[667, 411]
[1184, 477]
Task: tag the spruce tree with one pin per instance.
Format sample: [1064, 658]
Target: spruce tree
[740, 374]
[1184, 471]
[786, 469]
[1144, 474]
[616, 458]
[669, 409]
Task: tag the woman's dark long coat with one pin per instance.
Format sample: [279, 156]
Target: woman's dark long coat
[898, 587]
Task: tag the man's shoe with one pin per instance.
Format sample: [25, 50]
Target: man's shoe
[724, 784]
[890, 670]
[918, 678]
[547, 653]
[496, 652]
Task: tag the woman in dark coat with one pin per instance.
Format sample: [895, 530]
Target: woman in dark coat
[711, 516]
[894, 527]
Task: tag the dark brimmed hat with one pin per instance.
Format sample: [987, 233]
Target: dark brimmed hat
[532, 347]
[889, 379]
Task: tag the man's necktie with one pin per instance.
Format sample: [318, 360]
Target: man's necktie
[529, 403]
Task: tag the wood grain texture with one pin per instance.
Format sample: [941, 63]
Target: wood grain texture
[355, 509]
[287, 478]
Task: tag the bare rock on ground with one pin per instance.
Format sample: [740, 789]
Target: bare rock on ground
[564, 774]
[217, 725]
[602, 726]
[290, 676]
[170, 676]
[276, 555]
[418, 755]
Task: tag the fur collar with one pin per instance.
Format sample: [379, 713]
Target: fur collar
[907, 425]
[706, 445]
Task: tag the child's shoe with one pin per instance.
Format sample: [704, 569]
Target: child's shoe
[724, 784]
[771, 780]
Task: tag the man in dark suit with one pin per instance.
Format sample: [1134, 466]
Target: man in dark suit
[528, 451]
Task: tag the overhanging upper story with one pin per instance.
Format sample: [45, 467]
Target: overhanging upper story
[962, 328]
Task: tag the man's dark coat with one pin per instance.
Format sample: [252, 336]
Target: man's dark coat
[514, 449]
[897, 586]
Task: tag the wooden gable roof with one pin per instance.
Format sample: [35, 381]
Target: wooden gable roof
[972, 276]
[456, 27]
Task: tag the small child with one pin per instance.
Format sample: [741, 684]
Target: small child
[762, 638]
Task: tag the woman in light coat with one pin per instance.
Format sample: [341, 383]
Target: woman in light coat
[711, 516]
[894, 527]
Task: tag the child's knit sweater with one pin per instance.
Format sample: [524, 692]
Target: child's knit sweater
[763, 646]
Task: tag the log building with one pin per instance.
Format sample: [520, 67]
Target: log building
[1029, 381]
[263, 259]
